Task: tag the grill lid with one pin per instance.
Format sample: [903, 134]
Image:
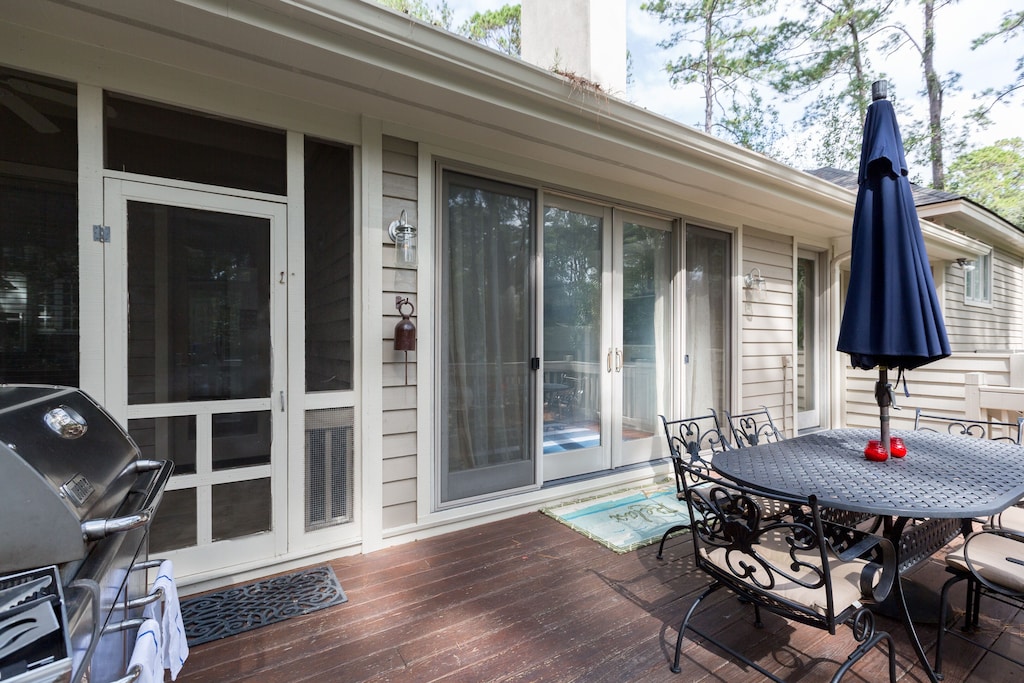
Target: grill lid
[66, 467]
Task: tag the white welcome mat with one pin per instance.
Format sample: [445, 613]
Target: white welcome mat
[624, 520]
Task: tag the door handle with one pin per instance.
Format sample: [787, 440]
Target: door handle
[609, 361]
[618, 360]
[282, 401]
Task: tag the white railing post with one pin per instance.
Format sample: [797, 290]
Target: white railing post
[973, 381]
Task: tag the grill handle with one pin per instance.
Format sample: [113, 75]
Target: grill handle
[95, 529]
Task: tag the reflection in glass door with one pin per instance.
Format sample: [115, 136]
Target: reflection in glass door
[808, 370]
[203, 365]
[576, 339]
[607, 321]
[708, 291]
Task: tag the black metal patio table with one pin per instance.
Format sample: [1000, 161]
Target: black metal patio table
[943, 477]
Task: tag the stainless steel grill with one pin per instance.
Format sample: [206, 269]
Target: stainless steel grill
[74, 516]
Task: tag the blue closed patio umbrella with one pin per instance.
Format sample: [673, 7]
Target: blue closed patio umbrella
[892, 317]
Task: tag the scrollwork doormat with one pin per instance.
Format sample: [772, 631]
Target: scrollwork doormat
[625, 520]
[243, 608]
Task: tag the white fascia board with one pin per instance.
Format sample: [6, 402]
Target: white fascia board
[964, 215]
[359, 55]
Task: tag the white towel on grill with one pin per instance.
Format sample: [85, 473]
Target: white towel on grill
[147, 654]
[168, 612]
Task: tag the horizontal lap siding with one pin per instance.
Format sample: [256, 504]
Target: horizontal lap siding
[937, 388]
[399, 395]
[767, 321]
[997, 327]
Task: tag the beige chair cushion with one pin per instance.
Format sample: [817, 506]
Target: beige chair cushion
[1011, 518]
[989, 554]
[845, 577]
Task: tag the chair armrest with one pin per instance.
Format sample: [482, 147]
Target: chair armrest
[876, 579]
[995, 557]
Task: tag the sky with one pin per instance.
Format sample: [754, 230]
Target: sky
[956, 26]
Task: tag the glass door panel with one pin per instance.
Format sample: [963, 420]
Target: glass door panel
[708, 292]
[646, 328]
[487, 337]
[575, 338]
[808, 370]
[203, 383]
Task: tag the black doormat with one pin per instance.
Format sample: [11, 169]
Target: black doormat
[243, 608]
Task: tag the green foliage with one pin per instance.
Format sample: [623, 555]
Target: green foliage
[439, 15]
[754, 125]
[724, 48]
[825, 53]
[498, 28]
[1012, 25]
[993, 176]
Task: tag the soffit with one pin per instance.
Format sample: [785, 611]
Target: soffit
[356, 57]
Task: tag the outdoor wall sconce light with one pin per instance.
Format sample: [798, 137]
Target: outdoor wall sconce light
[965, 264]
[405, 332]
[753, 280]
[403, 234]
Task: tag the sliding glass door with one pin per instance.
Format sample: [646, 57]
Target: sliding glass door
[486, 340]
[607, 321]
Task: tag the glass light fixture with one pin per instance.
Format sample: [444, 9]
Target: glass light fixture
[403, 234]
[754, 280]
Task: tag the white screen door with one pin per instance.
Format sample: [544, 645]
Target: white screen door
[195, 354]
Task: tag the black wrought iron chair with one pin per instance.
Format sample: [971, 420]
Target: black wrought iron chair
[992, 563]
[801, 568]
[752, 428]
[757, 427]
[690, 440]
[981, 429]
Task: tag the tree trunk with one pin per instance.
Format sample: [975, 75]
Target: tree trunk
[934, 96]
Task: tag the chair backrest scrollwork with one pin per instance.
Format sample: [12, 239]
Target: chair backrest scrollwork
[979, 429]
[752, 428]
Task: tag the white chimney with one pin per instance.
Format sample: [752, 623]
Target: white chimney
[585, 38]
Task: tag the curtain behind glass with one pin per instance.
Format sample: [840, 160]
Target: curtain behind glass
[486, 331]
[707, 315]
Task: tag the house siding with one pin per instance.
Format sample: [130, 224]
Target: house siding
[996, 327]
[400, 159]
[767, 322]
[938, 387]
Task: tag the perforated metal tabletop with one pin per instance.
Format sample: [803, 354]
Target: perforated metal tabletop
[942, 476]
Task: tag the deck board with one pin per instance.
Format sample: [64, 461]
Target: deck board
[528, 599]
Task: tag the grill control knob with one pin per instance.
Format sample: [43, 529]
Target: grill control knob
[66, 422]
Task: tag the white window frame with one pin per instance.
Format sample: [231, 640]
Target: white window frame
[978, 280]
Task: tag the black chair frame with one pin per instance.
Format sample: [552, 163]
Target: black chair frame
[762, 560]
[752, 428]
[689, 438]
[977, 587]
[979, 429]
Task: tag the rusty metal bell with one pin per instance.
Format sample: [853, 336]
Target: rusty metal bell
[405, 331]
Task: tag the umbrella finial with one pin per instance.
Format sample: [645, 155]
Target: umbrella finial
[879, 90]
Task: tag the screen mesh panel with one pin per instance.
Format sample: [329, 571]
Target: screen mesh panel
[329, 454]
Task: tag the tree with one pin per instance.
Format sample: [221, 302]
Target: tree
[825, 54]
[993, 176]
[728, 48]
[1011, 25]
[935, 88]
[498, 28]
[755, 126]
[439, 15]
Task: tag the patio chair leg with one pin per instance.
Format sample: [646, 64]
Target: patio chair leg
[682, 627]
[661, 546]
[943, 612]
[866, 647]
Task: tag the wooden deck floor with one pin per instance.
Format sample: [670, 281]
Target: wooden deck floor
[528, 599]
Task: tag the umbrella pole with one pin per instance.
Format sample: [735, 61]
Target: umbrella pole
[884, 401]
